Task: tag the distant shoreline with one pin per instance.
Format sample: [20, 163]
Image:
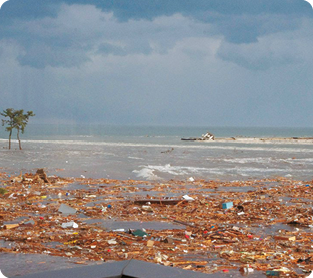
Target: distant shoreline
[258, 140]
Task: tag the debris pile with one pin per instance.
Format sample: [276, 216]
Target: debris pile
[208, 226]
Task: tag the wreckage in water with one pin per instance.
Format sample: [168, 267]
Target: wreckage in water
[204, 137]
[209, 137]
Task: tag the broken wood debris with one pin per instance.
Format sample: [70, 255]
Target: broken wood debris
[274, 235]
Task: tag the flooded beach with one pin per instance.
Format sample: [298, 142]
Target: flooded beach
[157, 153]
[215, 208]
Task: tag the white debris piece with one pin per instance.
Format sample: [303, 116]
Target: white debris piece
[70, 224]
[147, 208]
[248, 269]
[119, 230]
[188, 198]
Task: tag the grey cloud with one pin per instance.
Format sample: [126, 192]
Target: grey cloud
[79, 32]
[138, 9]
[41, 55]
[240, 21]
[252, 60]
[266, 53]
[107, 48]
[142, 9]
[247, 28]
[28, 9]
[70, 34]
[213, 11]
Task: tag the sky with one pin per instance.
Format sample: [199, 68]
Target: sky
[159, 62]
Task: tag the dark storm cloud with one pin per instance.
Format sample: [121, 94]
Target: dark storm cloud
[27, 9]
[125, 9]
[138, 9]
[238, 21]
[234, 16]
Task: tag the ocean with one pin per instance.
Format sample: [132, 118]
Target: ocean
[156, 153]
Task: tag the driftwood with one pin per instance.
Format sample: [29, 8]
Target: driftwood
[42, 175]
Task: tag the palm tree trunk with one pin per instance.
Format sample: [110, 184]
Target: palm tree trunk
[18, 138]
[10, 135]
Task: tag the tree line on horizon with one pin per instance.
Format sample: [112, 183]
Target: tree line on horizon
[15, 119]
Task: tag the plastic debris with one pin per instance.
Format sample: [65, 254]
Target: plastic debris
[29, 223]
[272, 273]
[147, 208]
[227, 205]
[139, 233]
[188, 198]
[70, 224]
[246, 269]
[266, 226]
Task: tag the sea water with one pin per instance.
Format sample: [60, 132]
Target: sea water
[156, 153]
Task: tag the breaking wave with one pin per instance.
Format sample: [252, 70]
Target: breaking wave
[146, 173]
[204, 146]
[154, 172]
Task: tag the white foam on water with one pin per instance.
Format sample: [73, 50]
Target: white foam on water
[249, 171]
[175, 170]
[82, 136]
[249, 160]
[268, 160]
[146, 173]
[135, 158]
[300, 160]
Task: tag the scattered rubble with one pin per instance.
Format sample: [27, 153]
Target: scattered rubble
[250, 226]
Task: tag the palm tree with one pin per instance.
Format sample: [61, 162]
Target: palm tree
[17, 120]
[21, 121]
[9, 112]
